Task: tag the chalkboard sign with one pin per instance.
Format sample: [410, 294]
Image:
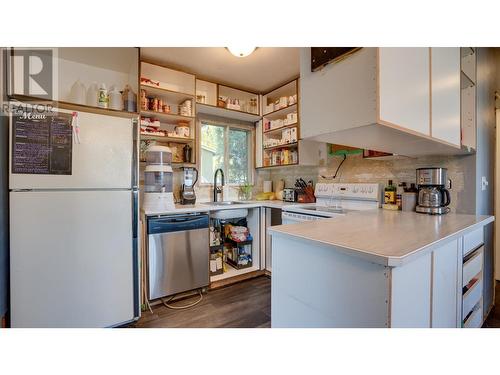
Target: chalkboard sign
[320, 56]
[42, 143]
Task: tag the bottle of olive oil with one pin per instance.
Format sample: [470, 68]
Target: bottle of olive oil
[390, 193]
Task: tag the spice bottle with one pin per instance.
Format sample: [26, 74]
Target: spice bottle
[390, 193]
[102, 96]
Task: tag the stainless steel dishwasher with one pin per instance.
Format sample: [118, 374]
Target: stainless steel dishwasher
[178, 254]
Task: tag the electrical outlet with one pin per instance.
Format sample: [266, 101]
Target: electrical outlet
[484, 183]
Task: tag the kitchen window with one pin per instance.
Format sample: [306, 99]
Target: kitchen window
[228, 147]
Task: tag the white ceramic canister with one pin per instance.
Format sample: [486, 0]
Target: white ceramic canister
[182, 131]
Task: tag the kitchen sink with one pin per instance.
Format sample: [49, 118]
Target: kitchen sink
[222, 203]
[227, 213]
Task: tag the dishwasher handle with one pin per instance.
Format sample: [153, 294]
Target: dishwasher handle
[169, 224]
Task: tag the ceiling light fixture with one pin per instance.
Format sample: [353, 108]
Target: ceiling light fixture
[241, 51]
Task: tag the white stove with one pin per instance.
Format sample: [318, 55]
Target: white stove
[334, 200]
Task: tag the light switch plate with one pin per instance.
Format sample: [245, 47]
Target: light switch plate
[484, 183]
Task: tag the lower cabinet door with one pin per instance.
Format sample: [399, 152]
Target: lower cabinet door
[475, 319]
[445, 286]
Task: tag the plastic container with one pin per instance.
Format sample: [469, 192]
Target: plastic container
[130, 99]
[408, 201]
[158, 179]
[78, 93]
[92, 93]
[115, 99]
[158, 155]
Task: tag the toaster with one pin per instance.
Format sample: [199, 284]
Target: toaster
[289, 195]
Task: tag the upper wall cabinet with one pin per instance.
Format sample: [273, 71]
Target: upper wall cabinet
[445, 94]
[399, 100]
[172, 80]
[404, 89]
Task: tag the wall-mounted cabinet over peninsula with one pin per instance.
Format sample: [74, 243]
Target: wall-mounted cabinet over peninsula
[404, 101]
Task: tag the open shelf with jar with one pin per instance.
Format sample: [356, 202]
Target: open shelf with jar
[225, 101]
[279, 131]
[280, 101]
[182, 149]
[281, 155]
[179, 137]
[167, 109]
[468, 96]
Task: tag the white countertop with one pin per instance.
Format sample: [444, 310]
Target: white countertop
[391, 238]
[206, 207]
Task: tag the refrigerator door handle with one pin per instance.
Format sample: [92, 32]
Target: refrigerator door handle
[135, 156]
[135, 250]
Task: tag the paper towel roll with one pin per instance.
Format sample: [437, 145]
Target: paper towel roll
[268, 186]
[280, 185]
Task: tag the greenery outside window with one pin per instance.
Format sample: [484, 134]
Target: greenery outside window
[228, 147]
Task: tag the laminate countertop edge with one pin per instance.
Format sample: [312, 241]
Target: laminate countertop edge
[207, 207]
[376, 256]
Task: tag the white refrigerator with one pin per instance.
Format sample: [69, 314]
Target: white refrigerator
[73, 237]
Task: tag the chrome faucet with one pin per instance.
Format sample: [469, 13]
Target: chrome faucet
[218, 189]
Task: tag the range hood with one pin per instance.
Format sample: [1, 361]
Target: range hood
[341, 104]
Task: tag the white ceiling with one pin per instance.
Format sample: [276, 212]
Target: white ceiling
[264, 69]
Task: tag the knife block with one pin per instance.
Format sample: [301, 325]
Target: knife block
[306, 195]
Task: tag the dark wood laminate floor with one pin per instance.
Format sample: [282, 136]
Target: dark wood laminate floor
[493, 319]
[243, 305]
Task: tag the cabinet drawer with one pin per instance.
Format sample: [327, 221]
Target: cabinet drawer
[472, 297]
[475, 320]
[472, 266]
[473, 239]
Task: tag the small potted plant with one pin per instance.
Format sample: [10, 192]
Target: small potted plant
[245, 192]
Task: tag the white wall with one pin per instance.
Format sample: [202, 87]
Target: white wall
[4, 229]
[485, 157]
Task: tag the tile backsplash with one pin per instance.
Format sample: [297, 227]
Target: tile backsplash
[359, 169]
[355, 169]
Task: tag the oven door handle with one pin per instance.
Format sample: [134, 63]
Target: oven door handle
[292, 216]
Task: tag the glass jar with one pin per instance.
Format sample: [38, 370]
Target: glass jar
[245, 192]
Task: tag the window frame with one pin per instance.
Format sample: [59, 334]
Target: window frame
[227, 125]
